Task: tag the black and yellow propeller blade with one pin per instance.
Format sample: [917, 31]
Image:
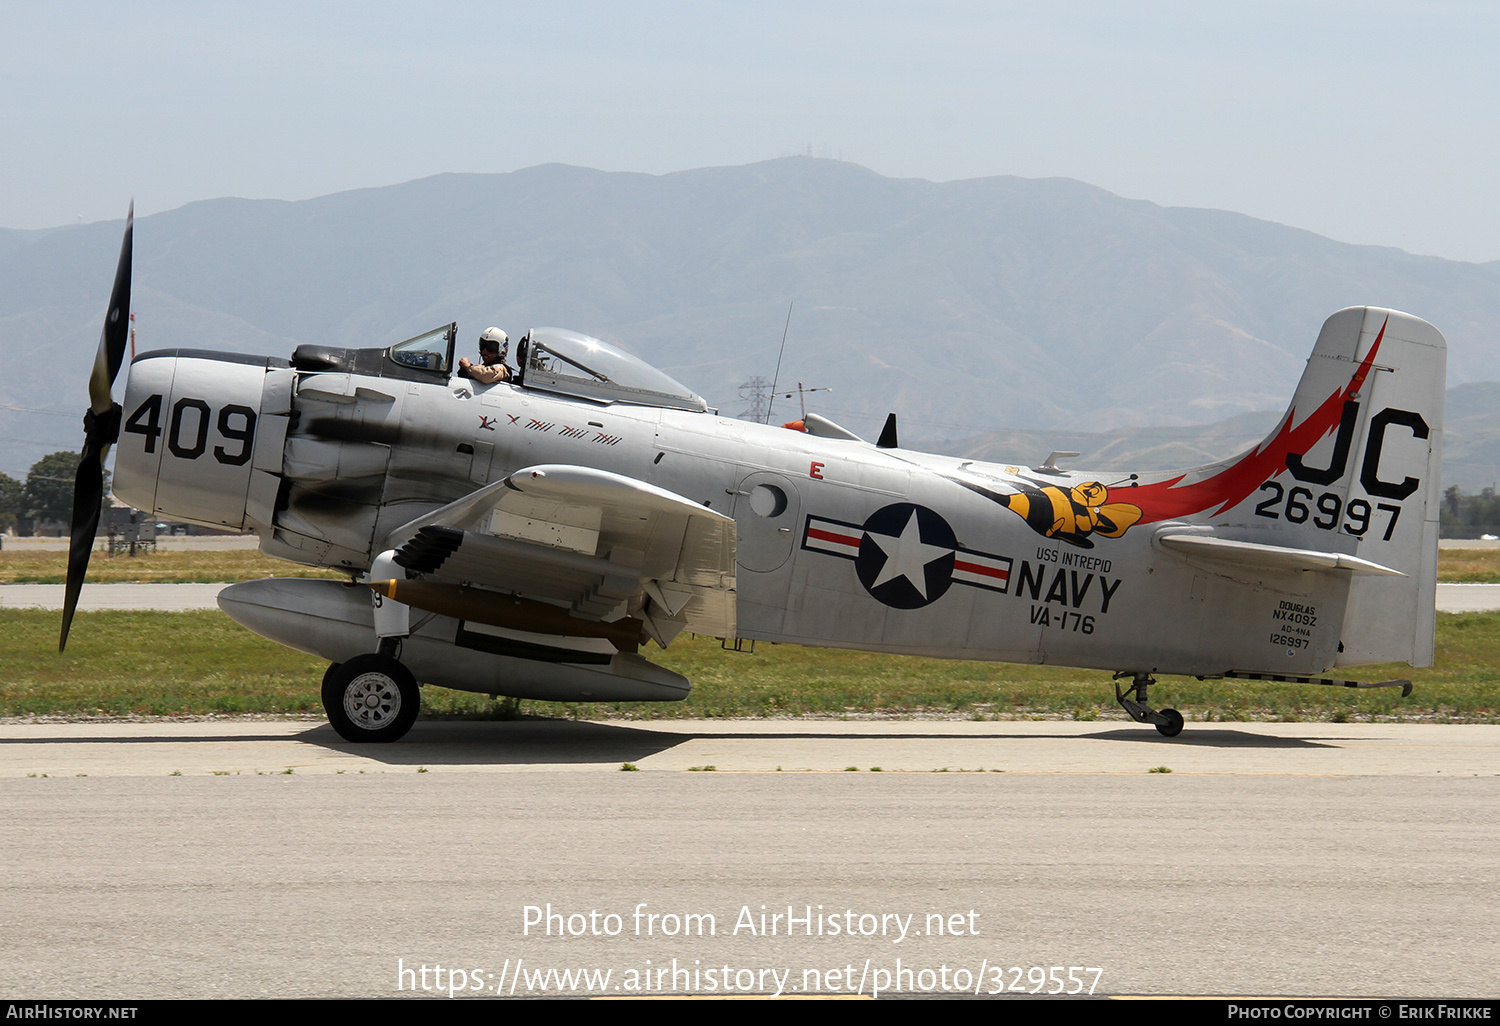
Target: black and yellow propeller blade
[101, 427]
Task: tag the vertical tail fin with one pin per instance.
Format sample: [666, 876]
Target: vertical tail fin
[1358, 471]
[1370, 481]
[1392, 471]
[1352, 469]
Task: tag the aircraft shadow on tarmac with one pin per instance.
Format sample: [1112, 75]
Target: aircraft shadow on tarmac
[568, 742]
[1215, 739]
[508, 743]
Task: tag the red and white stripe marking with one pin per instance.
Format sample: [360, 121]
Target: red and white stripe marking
[832, 537]
[982, 571]
[977, 569]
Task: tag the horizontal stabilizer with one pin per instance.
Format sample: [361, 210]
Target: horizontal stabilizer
[1270, 557]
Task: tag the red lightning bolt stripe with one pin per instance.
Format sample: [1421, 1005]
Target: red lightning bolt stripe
[1166, 499]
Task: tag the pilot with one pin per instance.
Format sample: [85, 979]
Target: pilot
[493, 346]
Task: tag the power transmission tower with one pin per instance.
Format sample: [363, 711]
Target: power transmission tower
[756, 392]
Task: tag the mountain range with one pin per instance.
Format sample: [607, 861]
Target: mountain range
[1045, 308]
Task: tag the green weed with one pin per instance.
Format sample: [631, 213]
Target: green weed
[173, 664]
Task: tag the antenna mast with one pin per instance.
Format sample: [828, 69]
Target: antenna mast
[777, 376]
[801, 393]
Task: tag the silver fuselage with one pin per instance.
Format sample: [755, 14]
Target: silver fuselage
[840, 543]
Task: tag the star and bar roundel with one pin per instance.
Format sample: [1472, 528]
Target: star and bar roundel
[906, 556]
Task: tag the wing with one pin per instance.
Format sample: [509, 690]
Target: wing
[599, 544]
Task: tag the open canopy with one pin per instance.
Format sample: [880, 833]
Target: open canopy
[570, 363]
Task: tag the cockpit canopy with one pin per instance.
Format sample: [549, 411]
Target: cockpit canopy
[570, 363]
[431, 350]
[549, 360]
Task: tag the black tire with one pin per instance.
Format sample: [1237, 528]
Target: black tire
[1173, 726]
[370, 698]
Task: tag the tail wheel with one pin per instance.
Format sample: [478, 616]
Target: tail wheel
[1173, 726]
[370, 698]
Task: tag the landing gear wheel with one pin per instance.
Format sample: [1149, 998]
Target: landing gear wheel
[1173, 726]
[1168, 722]
[370, 698]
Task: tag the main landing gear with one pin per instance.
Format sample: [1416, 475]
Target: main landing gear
[1168, 722]
[370, 698]
[374, 697]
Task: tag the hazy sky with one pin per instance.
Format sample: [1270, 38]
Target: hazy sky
[1368, 122]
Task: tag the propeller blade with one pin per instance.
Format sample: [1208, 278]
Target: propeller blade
[116, 331]
[101, 426]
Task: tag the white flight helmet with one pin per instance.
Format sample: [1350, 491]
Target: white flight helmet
[494, 338]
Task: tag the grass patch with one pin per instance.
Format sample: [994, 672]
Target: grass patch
[1469, 566]
[152, 663]
[123, 663]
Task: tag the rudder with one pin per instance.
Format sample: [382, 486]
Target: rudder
[1361, 474]
[1395, 472]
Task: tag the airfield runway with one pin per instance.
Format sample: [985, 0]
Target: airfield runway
[267, 858]
[270, 859]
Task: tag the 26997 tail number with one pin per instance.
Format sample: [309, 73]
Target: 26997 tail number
[1326, 512]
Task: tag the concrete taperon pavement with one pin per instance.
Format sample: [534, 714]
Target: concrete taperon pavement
[162, 748]
[172, 598]
[258, 859]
